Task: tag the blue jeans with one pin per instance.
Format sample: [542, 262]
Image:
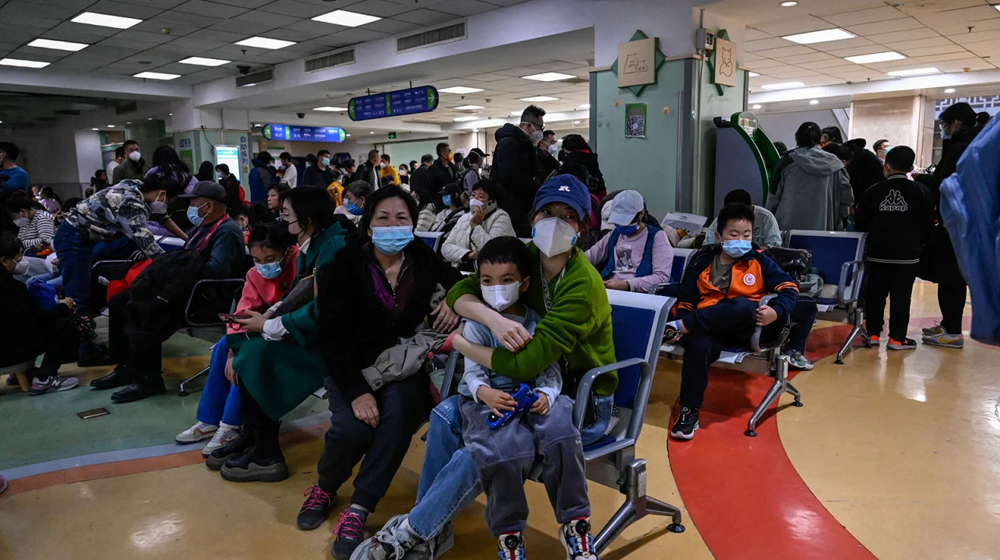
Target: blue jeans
[220, 400]
[75, 257]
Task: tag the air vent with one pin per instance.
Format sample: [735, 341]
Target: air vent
[70, 112]
[256, 78]
[330, 60]
[434, 36]
[130, 107]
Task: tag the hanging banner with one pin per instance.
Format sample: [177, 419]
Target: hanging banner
[304, 133]
[423, 99]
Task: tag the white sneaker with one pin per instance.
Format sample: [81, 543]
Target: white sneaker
[223, 435]
[936, 330]
[198, 432]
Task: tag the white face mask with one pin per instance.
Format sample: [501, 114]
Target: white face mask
[135, 156]
[473, 203]
[22, 222]
[501, 296]
[553, 149]
[553, 236]
[382, 165]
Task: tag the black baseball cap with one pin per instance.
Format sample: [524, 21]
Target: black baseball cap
[208, 189]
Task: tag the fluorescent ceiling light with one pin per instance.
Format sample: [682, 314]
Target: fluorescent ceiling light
[156, 76]
[576, 122]
[756, 106]
[371, 133]
[539, 99]
[783, 85]
[95, 129]
[466, 119]
[814, 102]
[104, 20]
[200, 61]
[330, 109]
[23, 63]
[914, 72]
[345, 18]
[515, 113]
[823, 36]
[265, 43]
[58, 45]
[460, 90]
[348, 135]
[548, 77]
[876, 57]
[753, 74]
[789, 4]
[111, 126]
[950, 90]
[584, 107]
[469, 107]
[997, 6]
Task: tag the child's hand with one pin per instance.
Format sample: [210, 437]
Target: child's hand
[766, 315]
[498, 401]
[541, 406]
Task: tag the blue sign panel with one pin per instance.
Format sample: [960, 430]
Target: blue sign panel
[304, 133]
[411, 101]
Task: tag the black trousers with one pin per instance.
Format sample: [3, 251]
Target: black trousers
[402, 407]
[60, 339]
[265, 429]
[894, 281]
[951, 299]
[146, 360]
[728, 324]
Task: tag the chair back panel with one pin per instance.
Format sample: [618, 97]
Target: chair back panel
[637, 321]
[830, 250]
[431, 238]
[681, 258]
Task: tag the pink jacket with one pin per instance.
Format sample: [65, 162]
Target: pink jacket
[259, 293]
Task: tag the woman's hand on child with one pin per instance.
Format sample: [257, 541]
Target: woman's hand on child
[766, 315]
[541, 406]
[512, 334]
[230, 372]
[366, 409]
[254, 324]
[446, 320]
[498, 401]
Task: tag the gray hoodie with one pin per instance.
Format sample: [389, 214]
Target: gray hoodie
[813, 192]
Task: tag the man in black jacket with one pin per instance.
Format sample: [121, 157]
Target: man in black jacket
[864, 168]
[418, 175]
[321, 174]
[899, 219]
[442, 172]
[369, 170]
[515, 166]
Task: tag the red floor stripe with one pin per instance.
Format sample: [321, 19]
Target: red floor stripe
[743, 493]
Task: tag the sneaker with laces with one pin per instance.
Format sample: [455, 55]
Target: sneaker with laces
[797, 361]
[936, 330]
[199, 432]
[222, 436]
[236, 447]
[904, 344]
[53, 384]
[576, 537]
[315, 509]
[397, 540]
[946, 340]
[350, 533]
[510, 546]
[686, 424]
[873, 340]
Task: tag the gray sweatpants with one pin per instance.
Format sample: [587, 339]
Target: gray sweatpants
[504, 458]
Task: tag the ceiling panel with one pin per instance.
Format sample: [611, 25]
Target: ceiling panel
[752, 34]
[927, 7]
[462, 7]
[879, 28]
[424, 17]
[830, 46]
[969, 16]
[293, 7]
[358, 35]
[211, 9]
[931, 51]
[31, 9]
[786, 51]
[248, 4]
[942, 57]
[811, 57]
[392, 26]
[315, 28]
[765, 44]
[800, 24]
[921, 43]
[985, 48]
[379, 8]
[975, 37]
[865, 16]
[123, 9]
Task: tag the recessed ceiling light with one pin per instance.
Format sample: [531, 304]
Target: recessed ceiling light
[753, 74]
[371, 133]
[111, 126]
[997, 6]
[756, 106]
[149, 118]
[348, 135]
[814, 102]
[576, 122]
[789, 4]
[201, 61]
[22, 63]
[156, 76]
[469, 107]
[104, 20]
[950, 90]
[783, 85]
[265, 43]
[876, 57]
[58, 45]
[345, 18]
[95, 129]
[465, 119]
[548, 77]
[914, 72]
[539, 99]
[128, 122]
[330, 109]
[460, 90]
[515, 113]
[584, 107]
[823, 36]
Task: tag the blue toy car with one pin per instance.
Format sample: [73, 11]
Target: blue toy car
[525, 398]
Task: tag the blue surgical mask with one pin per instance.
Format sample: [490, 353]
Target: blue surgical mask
[392, 240]
[326, 161]
[736, 248]
[628, 230]
[269, 270]
[193, 217]
[446, 199]
[353, 209]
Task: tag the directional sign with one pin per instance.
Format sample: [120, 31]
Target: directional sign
[304, 133]
[411, 101]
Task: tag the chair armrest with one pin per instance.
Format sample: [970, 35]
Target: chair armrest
[666, 289]
[755, 339]
[235, 282]
[859, 267]
[587, 384]
[449, 374]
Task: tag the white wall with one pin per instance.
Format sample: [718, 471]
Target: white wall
[88, 154]
[782, 126]
[52, 155]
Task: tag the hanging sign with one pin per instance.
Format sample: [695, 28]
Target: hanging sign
[423, 99]
[304, 133]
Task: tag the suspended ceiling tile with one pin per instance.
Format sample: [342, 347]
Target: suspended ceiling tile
[856, 51]
[315, 28]
[75, 35]
[292, 7]
[931, 51]
[958, 29]
[765, 44]
[920, 43]
[976, 37]
[392, 26]
[423, 17]
[265, 18]
[249, 29]
[791, 72]
[811, 57]
[30, 9]
[763, 64]
[865, 16]
[462, 7]
[752, 34]
[831, 46]
[877, 29]
[964, 65]
[823, 9]
[929, 7]
[786, 51]
[790, 26]
[123, 9]
[965, 16]
[902, 36]
[944, 57]
[834, 62]
[379, 8]
[248, 4]
[358, 35]
[210, 9]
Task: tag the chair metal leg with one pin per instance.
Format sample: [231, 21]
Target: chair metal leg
[795, 393]
[779, 386]
[637, 505]
[622, 518]
[184, 384]
[857, 331]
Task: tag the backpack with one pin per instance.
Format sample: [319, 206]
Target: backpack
[159, 293]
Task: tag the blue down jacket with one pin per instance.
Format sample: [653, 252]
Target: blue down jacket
[970, 208]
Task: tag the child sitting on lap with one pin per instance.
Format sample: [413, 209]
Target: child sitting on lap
[505, 454]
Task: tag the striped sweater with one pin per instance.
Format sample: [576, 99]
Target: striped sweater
[39, 231]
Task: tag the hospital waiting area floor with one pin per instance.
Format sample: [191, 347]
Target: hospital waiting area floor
[895, 455]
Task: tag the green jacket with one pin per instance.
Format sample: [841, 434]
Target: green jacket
[303, 323]
[578, 326]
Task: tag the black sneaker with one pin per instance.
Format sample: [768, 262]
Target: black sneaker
[247, 468]
[686, 424]
[905, 344]
[350, 533]
[232, 449]
[315, 509]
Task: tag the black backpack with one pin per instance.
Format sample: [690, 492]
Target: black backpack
[160, 292]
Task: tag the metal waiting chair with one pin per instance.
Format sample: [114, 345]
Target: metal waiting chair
[431, 238]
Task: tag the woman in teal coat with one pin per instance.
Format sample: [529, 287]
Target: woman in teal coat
[279, 364]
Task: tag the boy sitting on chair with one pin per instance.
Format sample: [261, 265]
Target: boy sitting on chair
[503, 455]
[718, 306]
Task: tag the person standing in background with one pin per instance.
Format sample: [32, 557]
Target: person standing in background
[135, 168]
[369, 170]
[515, 165]
[442, 172]
[205, 172]
[863, 167]
[418, 174]
[387, 173]
[118, 160]
[290, 175]
[261, 178]
[881, 147]
[321, 174]
[99, 180]
[12, 177]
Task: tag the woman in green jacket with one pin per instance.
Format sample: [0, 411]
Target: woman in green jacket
[278, 362]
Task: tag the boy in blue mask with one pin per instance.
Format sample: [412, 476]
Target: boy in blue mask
[717, 307]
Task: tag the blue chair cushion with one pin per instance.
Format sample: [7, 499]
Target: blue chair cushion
[632, 327]
[603, 441]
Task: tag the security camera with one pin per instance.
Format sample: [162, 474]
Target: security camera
[244, 70]
[301, 115]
